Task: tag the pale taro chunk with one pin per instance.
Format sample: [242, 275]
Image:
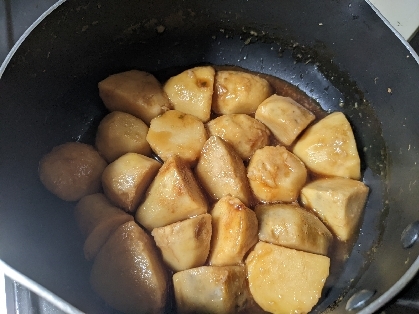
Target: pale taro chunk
[244, 133]
[239, 92]
[235, 231]
[125, 180]
[185, 244]
[191, 91]
[328, 148]
[221, 171]
[120, 133]
[135, 92]
[275, 174]
[338, 202]
[293, 227]
[174, 195]
[211, 289]
[177, 133]
[284, 280]
[284, 117]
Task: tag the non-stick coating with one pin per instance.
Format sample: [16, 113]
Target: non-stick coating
[338, 52]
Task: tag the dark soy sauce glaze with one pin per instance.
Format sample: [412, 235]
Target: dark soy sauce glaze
[339, 251]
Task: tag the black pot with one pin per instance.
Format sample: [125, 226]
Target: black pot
[338, 52]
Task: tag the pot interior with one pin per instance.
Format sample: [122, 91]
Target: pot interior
[49, 96]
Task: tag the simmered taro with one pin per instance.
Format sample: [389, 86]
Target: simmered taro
[239, 208]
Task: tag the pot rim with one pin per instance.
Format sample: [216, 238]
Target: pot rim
[40, 291]
[26, 34]
[51, 297]
[393, 29]
[394, 290]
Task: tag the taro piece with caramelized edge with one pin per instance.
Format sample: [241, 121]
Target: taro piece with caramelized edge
[174, 195]
[235, 231]
[244, 133]
[276, 175]
[191, 91]
[239, 92]
[177, 133]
